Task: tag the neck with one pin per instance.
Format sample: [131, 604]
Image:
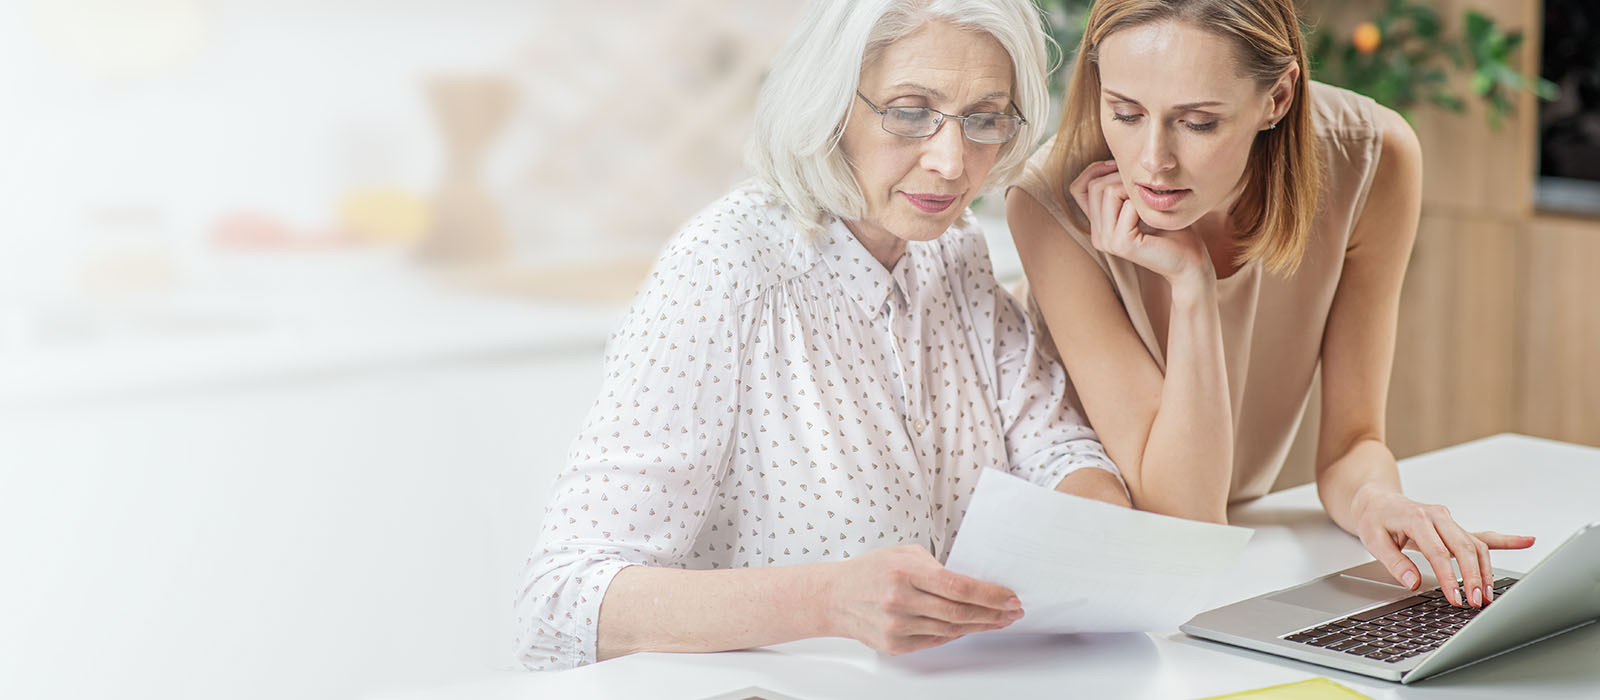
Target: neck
[1216, 226]
[884, 247]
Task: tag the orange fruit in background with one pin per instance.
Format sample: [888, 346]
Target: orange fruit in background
[1367, 37]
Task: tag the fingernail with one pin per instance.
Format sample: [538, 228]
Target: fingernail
[1477, 597]
[1409, 578]
[1013, 603]
[1014, 615]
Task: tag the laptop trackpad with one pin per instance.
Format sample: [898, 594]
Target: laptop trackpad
[1340, 594]
[1376, 571]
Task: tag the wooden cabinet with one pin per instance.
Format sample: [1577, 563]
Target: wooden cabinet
[1456, 342]
[1500, 314]
[1557, 369]
[1499, 330]
[1455, 353]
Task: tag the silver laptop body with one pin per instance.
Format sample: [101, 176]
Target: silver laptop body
[1561, 593]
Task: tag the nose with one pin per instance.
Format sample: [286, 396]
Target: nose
[1157, 155]
[945, 151]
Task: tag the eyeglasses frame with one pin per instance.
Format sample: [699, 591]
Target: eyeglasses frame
[882, 113]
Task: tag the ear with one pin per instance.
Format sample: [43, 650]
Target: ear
[1281, 96]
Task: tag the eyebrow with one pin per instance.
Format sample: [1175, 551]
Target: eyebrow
[1183, 107]
[937, 95]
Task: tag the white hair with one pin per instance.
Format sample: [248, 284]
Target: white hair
[808, 96]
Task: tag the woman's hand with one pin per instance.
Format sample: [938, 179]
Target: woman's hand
[1389, 522]
[1115, 228]
[901, 599]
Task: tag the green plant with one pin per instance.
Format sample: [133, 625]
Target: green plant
[1402, 58]
[1064, 20]
[1064, 23]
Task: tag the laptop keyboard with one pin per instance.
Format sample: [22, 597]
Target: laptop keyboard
[1396, 631]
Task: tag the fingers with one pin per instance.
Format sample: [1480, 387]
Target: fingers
[911, 644]
[926, 618]
[930, 627]
[941, 608]
[1464, 549]
[959, 589]
[1080, 185]
[1488, 540]
[1399, 565]
[1496, 540]
[1105, 224]
[1432, 547]
[1127, 217]
[1097, 194]
[1401, 522]
[910, 601]
[1485, 570]
[1106, 235]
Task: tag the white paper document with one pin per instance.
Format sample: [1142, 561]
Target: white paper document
[1080, 565]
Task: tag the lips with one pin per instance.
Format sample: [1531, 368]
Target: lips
[931, 203]
[1162, 198]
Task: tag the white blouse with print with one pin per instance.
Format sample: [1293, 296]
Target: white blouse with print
[774, 399]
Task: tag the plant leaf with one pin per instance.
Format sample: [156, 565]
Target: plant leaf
[1481, 82]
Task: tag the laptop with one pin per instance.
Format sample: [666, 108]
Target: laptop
[1359, 620]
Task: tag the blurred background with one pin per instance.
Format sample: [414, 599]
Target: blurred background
[302, 302]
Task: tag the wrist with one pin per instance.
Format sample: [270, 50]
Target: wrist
[820, 586]
[1367, 497]
[1193, 290]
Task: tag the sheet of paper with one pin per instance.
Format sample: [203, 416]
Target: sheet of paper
[1080, 565]
[1309, 689]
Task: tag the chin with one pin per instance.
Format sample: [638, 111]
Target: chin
[925, 228]
[1175, 220]
[922, 234]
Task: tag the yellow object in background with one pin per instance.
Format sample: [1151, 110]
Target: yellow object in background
[1367, 37]
[1309, 689]
[384, 215]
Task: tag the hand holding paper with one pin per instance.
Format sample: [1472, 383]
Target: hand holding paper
[1080, 565]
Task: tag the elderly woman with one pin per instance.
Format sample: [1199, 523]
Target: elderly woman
[801, 399]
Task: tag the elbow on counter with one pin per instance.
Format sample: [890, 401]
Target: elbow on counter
[558, 608]
[1187, 509]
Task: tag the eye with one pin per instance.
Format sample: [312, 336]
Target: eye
[1201, 126]
[1125, 118]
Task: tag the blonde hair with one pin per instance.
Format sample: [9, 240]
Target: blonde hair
[808, 96]
[1284, 172]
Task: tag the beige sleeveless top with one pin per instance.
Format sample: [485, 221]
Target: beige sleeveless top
[1272, 325]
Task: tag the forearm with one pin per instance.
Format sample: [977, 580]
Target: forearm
[1097, 484]
[661, 609]
[1187, 461]
[1365, 469]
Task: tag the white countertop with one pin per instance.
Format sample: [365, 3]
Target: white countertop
[1509, 483]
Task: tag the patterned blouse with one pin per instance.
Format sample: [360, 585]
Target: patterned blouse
[774, 398]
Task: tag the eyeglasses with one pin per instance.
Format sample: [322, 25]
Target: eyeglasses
[922, 122]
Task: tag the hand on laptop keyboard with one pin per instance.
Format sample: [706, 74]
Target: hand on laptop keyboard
[1388, 522]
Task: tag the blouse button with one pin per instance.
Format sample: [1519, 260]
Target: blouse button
[919, 425]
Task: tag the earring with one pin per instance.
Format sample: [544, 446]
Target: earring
[1272, 125]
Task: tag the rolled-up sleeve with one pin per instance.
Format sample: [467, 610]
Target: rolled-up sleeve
[1046, 437]
[642, 472]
